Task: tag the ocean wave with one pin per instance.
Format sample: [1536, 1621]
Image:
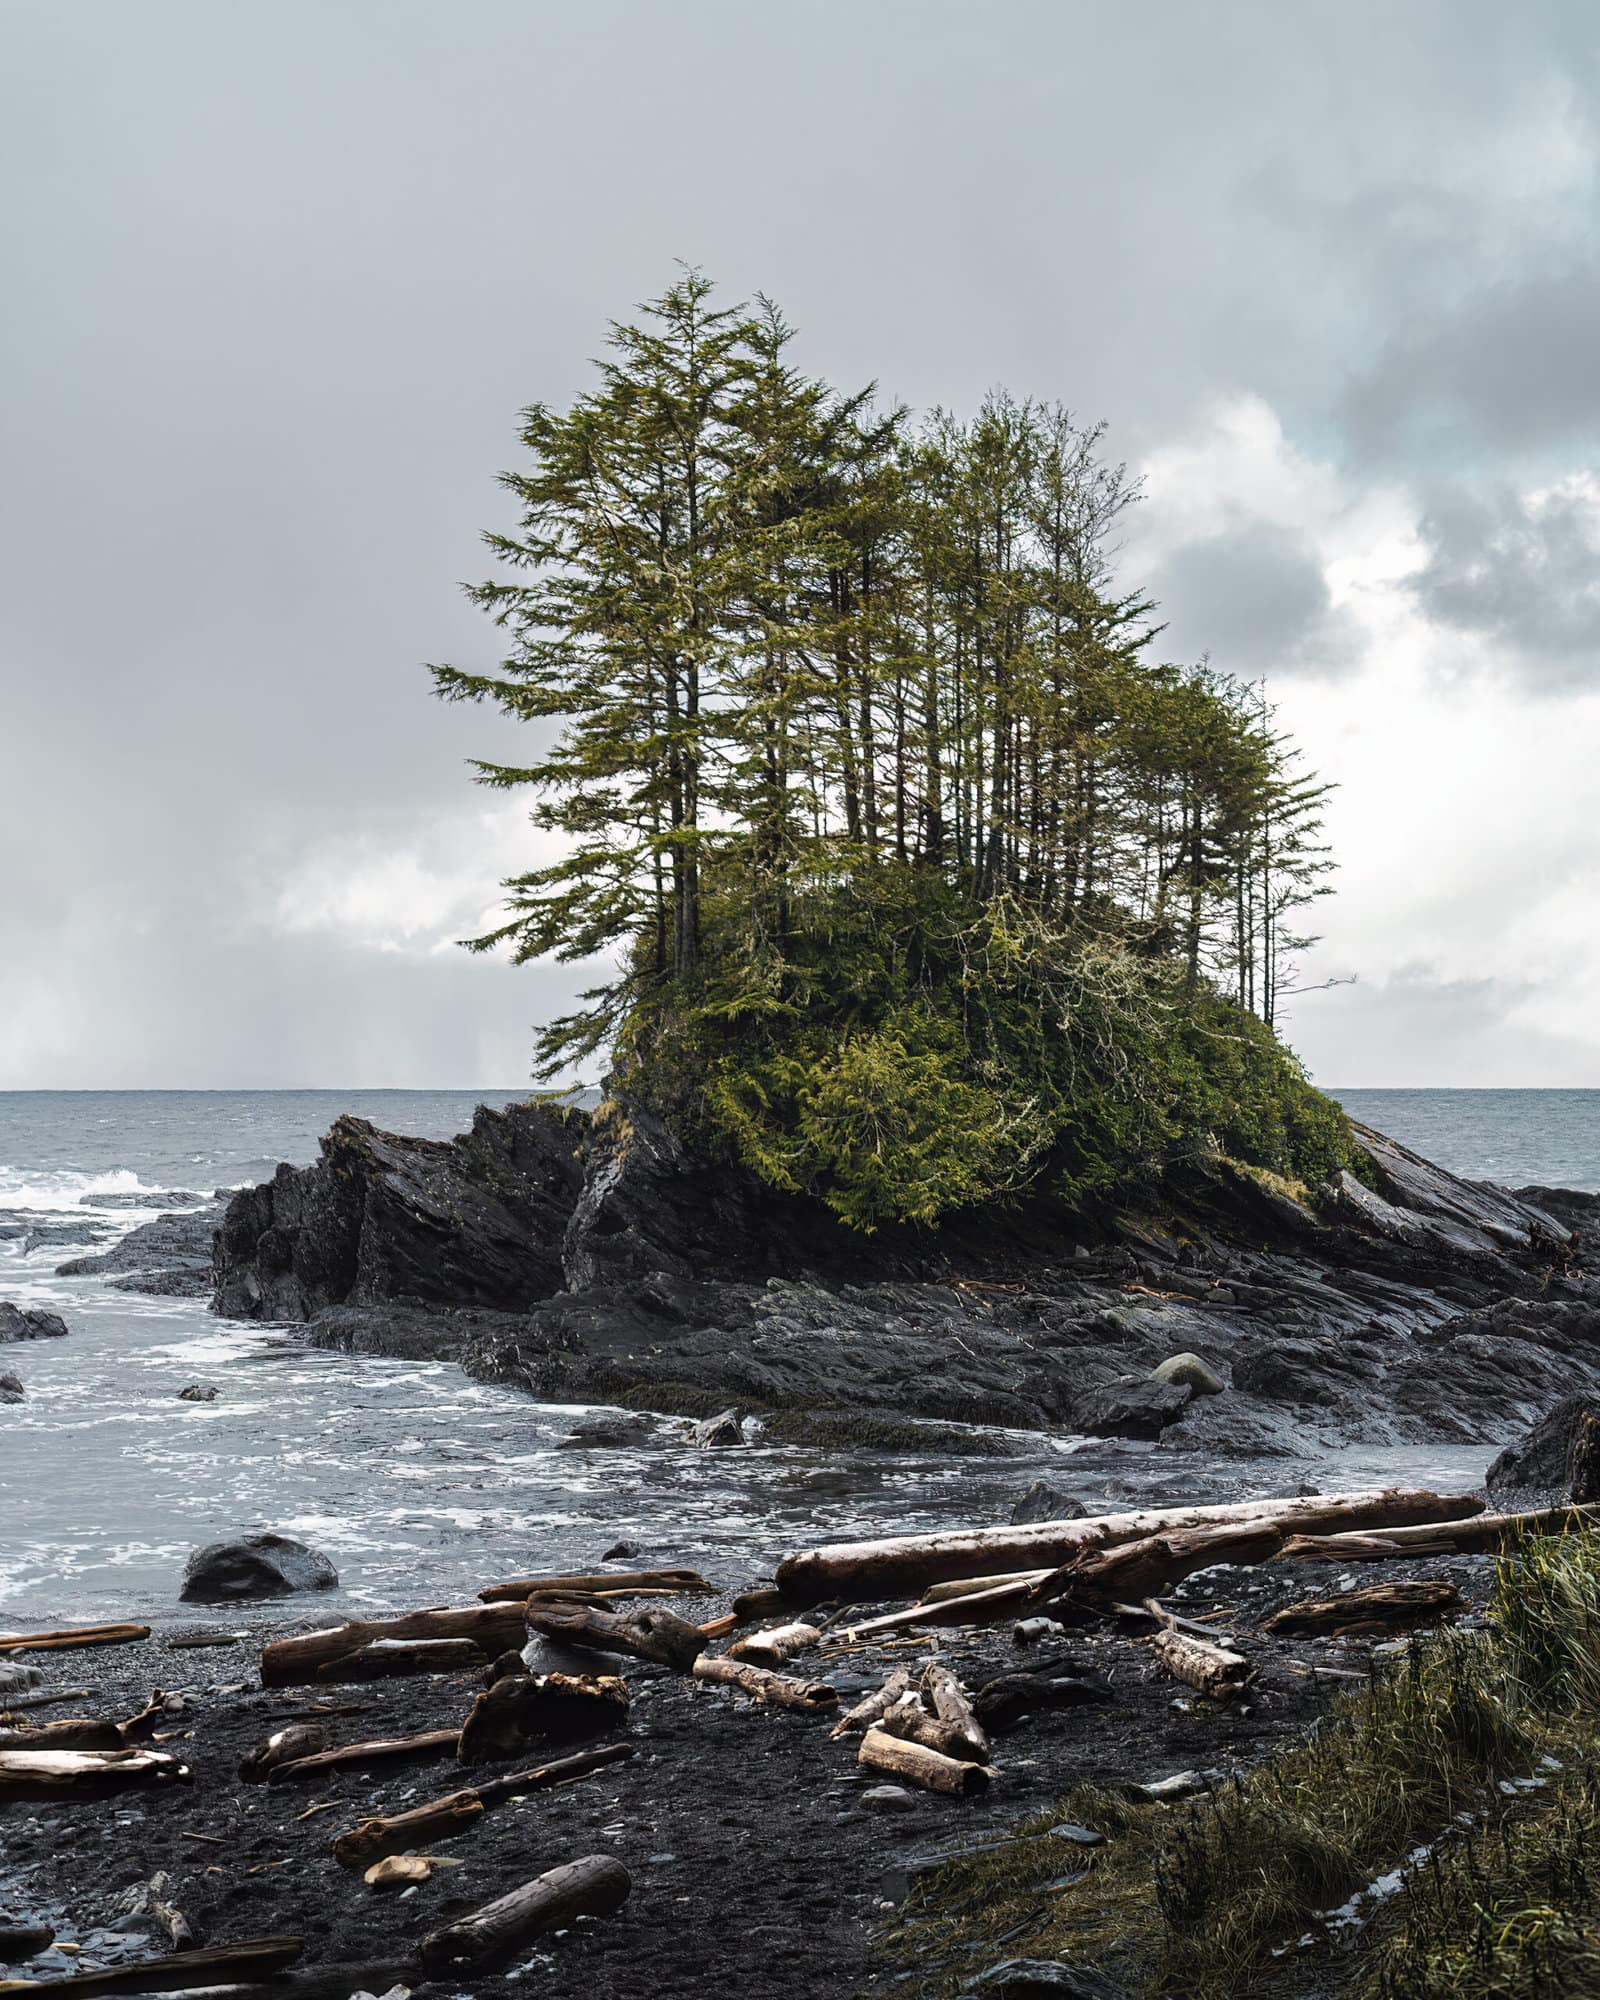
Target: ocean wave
[52, 1191]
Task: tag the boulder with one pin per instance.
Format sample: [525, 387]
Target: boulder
[168, 1257]
[1192, 1372]
[259, 1565]
[198, 1392]
[29, 1323]
[15, 1675]
[619, 1433]
[1042, 1502]
[1132, 1407]
[11, 1390]
[1545, 1460]
[722, 1429]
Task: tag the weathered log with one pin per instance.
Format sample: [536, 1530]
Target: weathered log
[950, 1703]
[544, 1708]
[388, 1658]
[719, 1628]
[909, 1720]
[651, 1634]
[461, 1811]
[72, 1637]
[153, 1899]
[867, 1711]
[283, 1746]
[919, 1765]
[295, 1662]
[614, 1583]
[1384, 1607]
[492, 1936]
[76, 1735]
[54, 1774]
[318, 1982]
[969, 1586]
[249, 1962]
[1136, 1570]
[357, 1756]
[779, 1643]
[781, 1690]
[1489, 1532]
[865, 1572]
[438, 1819]
[160, 1708]
[764, 1602]
[14, 1704]
[979, 1607]
[1208, 1668]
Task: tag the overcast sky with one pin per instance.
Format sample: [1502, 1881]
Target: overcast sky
[277, 277]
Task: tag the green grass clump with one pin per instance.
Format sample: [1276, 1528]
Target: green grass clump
[1201, 1899]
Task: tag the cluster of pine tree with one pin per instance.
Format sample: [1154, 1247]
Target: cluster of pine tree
[920, 877]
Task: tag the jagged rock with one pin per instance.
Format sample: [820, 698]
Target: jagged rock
[610, 1434]
[29, 1323]
[1544, 1461]
[15, 1675]
[258, 1565]
[1042, 1502]
[476, 1220]
[141, 1198]
[11, 1389]
[169, 1257]
[1130, 1408]
[722, 1429]
[198, 1392]
[1192, 1372]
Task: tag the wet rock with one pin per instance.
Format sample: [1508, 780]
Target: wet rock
[1008, 1700]
[258, 1565]
[723, 1429]
[1547, 1459]
[20, 1942]
[1130, 1408]
[1043, 1979]
[621, 1552]
[143, 1198]
[1192, 1372]
[1043, 1502]
[198, 1392]
[169, 1257]
[15, 1675]
[476, 1220]
[29, 1323]
[610, 1434]
[889, 1798]
[11, 1389]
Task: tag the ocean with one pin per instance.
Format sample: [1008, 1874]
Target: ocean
[421, 1485]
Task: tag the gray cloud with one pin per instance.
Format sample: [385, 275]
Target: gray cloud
[1522, 573]
[1255, 598]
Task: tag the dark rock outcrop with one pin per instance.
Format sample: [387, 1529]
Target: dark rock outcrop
[476, 1220]
[258, 1565]
[29, 1323]
[198, 1392]
[169, 1257]
[11, 1389]
[1131, 1408]
[1545, 1462]
[1043, 1502]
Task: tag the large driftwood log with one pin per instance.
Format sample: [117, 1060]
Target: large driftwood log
[865, 1572]
[950, 1703]
[249, 1962]
[781, 1690]
[490, 1937]
[777, 1644]
[547, 1708]
[1201, 1664]
[1384, 1607]
[357, 1756]
[85, 1735]
[871, 1707]
[460, 1811]
[919, 1765]
[296, 1662]
[604, 1584]
[1482, 1536]
[389, 1658]
[55, 1774]
[651, 1634]
[72, 1637]
[1139, 1570]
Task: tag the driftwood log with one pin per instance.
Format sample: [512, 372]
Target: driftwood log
[1384, 1607]
[781, 1690]
[386, 1659]
[615, 1583]
[154, 1899]
[777, 1644]
[765, 1602]
[949, 1702]
[247, 1963]
[911, 1721]
[357, 1756]
[1103, 1578]
[12, 1705]
[56, 1774]
[296, 1662]
[460, 1811]
[72, 1637]
[867, 1572]
[520, 1711]
[1212, 1670]
[652, 1634]
[84, 1735]
[492, 1936]
[283, 1746]
[867, 1711]
[919, 1765]
[1482, 1536]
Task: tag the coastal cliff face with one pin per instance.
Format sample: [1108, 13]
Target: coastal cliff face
[595, 1260]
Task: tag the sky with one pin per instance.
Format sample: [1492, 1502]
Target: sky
[278, 277]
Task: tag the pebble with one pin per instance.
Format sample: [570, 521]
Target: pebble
[888, 1798]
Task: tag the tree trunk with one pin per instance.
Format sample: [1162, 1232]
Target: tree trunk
[295, 1662]
[1384, 1607]
[919, 1765]
[251, 1961]
[85, 1735]
[616, 1583]
[950, 1703]
[73, 1636]
[438, 1819]
[1446, 1538]
[355, 1756]
[57, 1774]
[782, 1690]
[389, 1658]
[1201, 1664]
[283, 1746]
[867, 1712]
[865, 1572]
[492, 1936]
